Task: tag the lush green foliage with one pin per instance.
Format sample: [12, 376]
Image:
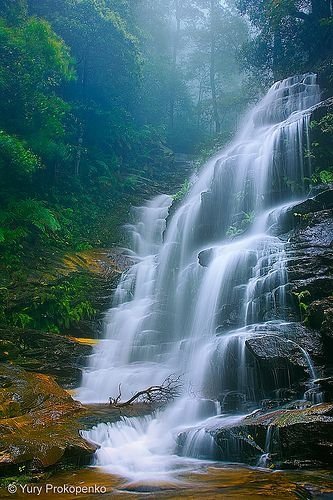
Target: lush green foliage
[60, 305]
[97, 95]
[182, 192]
[321, 152]
[55, 306]
[292, 36]
[34, 61]
[91, 90]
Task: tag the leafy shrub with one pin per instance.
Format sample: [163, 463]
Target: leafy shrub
[15, 157]
[183, 191]
[20, 218]
[322, 176]
[59, 306]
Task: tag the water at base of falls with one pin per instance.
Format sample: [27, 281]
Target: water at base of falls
[204, 282]
[144, 448]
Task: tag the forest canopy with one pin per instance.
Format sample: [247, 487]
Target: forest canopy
[98, 97]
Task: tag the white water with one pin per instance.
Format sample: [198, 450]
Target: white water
[172, 315]
[265, 458]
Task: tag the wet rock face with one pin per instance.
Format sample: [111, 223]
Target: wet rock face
[274, 349]
[39, 423]
[320, 316]
[308, 228]
[273, 361]
[299, 437]
[48, 353]
[232, 401]
[285, 344]
[310, 249]
[310, 266]
[325, 387]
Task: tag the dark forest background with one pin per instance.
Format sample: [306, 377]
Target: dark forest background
[100, 99]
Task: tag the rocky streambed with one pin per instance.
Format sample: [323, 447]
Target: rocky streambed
[294, 426]
[40, 421]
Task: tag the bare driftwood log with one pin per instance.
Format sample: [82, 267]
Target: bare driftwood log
[156, 394]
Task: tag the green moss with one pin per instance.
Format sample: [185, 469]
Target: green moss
[321, 152]
[241, 226]
[303, 300]
[182, 192]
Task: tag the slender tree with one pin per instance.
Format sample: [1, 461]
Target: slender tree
[212, 70]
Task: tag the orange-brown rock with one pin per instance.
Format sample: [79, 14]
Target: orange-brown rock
[39, 421]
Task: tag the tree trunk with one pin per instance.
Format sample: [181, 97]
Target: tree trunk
[213, 67]
[82, 82]
[277, 51]
[79, 151]
[199, 104]
[174, 62]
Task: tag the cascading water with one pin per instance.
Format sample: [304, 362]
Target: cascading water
[204, 281]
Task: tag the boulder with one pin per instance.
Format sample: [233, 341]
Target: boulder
[48, 353]
[301, 437]
[285, 356]
[8, 350]
[205, 257]
[291, 342]
[310, 256]
[39, 423]
[275, 350]
[320, 315]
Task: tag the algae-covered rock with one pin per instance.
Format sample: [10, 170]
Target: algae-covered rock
[320, 315]
[293, 437]
[8, 350]
[310, 255]
[49, 353]
[286, 344]
[277, 351]
[325, 387]
[39, 422]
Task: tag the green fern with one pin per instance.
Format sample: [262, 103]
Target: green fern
[20, 217]
[323, 176]
[32, 212]
[16, 155]
[183, 191]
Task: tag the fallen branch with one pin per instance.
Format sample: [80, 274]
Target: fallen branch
[156, 394]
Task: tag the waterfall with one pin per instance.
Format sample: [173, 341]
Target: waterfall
[204, 280]
[265, 459]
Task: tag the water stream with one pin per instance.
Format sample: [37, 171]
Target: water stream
[204, 281]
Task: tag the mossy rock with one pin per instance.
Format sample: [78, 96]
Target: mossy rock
[297, 436]
[320, 315]
[46, 352]
[8, 351]
[39, 422]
